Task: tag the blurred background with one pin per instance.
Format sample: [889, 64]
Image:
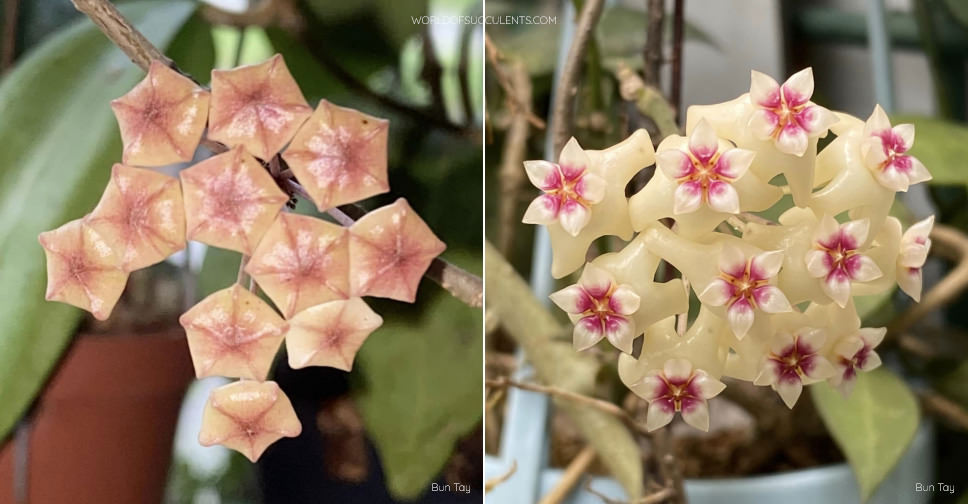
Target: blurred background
[406, 418]
[907, 55]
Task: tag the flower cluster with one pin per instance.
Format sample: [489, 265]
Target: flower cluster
[776, 298]
[314, 271]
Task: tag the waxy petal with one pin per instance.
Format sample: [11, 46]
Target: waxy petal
[703, 142]
[905, 133]
[543, 210]
[596, 280]
[82, 268]
[818, 264]
[624, 300]
[771, 299]
[696, 414]
[141, 215]
[573, 217]
[918, 173]
[717, 293]
[658, 416]
[390, 250]
[687, 198]
[863, 269]
[763, 124]
[543, 174]
[707, 386]
[909, 280]
[258, 107]
[573, 160]
[723, 197]
[302, 261]
[855, 232]
[248, 416]
[789, 391]
[674, 163]
[340, 155]
[764, 90]
[732, 261]
[591, 188]
[792, 139]
[230, 201]
[837, 286]
[798, 88]
[766, 265]
[620, 331]
[677, 370]
[233, 333]
[815, 120]
[740, 316]
[161, 118]
[571, 299]
[330, 334]
[587, 333]
[734, 163]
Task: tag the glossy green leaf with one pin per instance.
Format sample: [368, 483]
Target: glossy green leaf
[59, 142]
[873, 426]
[418, 397]
[942, 146]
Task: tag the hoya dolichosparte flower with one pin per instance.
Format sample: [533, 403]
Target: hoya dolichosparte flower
[570, 190]
[701, 179]
[915, 244]
[743, 286]
[785, 114]
[679, 388]
[601, 309]
[884, 152]
[794, 360]
[856, 353]
[837, 257]
[615, 165]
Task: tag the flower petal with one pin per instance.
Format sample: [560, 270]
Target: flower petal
[717, 293]
[650, 388]
[588, 332]
[764, 91]
[792, 139]
[543, 174]
[732, 261]
[674, 163]
[904, 132]
[571, 299]
[872, 336]
[723, 197]
[687, 198]
[595, 280]
[591, 188]
[771, 299]
[620, 332]
[827, 232]
[573, 161]
[740, 316]
[877, 121]
[763, 124]
[789, 391]
[862, 268]
[707, 386]
[810, 340]
[854, 233]
[677, 370]
[892, 179]
[872, 361]
[703, 142]
[766, 265]
[543, 210]
[659, 415]
[818, 263]
[918, 172]
[734, 163]
[817, 368]
[624, 300]
[909, 280]
[696, 414]
[837, 286]
[573, 217]
[798, 89]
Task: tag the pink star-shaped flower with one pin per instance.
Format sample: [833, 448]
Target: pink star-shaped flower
[162, 118]
[248, 416]
[744, 286]
[836, 257]
[390, 249]
[141, 215]
[794, 361]
[785, 113]
[233, 333]
[82, 268]
[340, 155]
[600, 308]
[915, 245]
[885, 153]
[704, 172]
[330, 334]
[570, 190]
[677, 387]
[259, 107]
[854, 354]
[230, 201]
[302, 261]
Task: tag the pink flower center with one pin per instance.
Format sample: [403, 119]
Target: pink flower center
[566, 185]
[599, 309]
[894, 150]
[743, 284]
[790, 111]
[678, 393]
[794, 362]
[856, 362]
[842, 257]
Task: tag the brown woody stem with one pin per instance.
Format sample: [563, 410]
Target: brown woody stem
[460, 283]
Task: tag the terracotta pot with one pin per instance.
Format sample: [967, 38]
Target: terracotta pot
[102, 430]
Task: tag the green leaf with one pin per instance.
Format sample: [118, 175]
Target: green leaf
[59, 142]
[873, 426]
[942, 146]
[193, 48]
[422, 388]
